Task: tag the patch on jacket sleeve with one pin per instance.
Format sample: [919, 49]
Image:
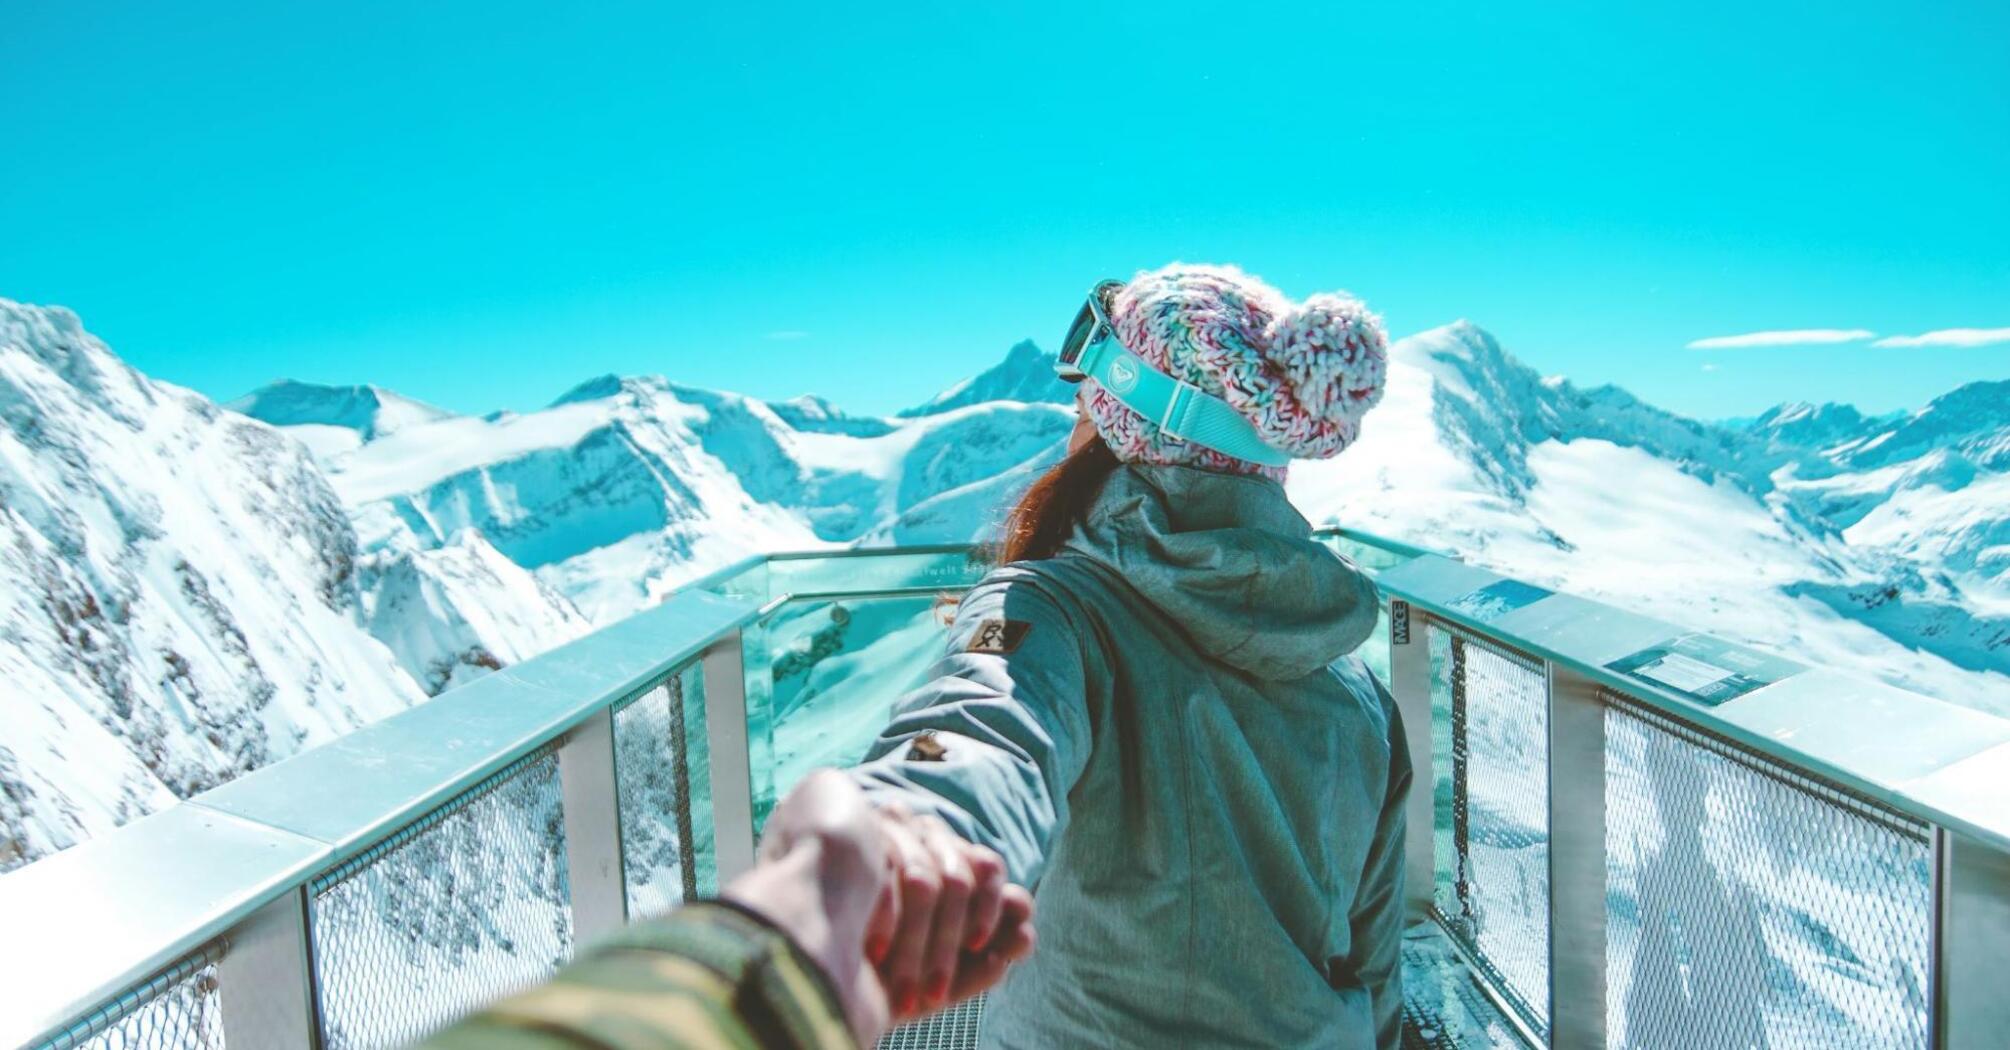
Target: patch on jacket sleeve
[926, 747]
[998, 637]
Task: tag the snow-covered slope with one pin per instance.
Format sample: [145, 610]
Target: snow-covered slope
[452, 613]
[178, 593]
[189, 594]
[1026, 374]
[1878, 544]
[334, 419]
[1792, 532]
[624, 488]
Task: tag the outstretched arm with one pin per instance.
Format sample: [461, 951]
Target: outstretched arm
[973, 779]
[993, 744]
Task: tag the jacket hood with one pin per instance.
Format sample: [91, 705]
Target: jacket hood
[1228, 559]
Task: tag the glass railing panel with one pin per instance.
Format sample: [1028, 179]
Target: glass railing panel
[757, 659]
[467, 904]
[835, 669]
[1490, 755]
[1362, 553]
[704, 857]
[861, 571]
[746, 580]
[1748, 905]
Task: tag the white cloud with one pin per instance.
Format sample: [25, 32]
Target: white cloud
[1949, 337]
[1709, 366]
[1788, 337]
[788, 335]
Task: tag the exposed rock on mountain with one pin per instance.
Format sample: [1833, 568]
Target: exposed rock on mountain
[178, 589]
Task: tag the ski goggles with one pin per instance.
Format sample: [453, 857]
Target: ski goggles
[1182, 411]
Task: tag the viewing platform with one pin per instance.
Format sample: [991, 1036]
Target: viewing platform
[1624, 832]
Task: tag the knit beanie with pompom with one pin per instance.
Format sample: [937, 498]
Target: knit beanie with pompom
[1303, 374]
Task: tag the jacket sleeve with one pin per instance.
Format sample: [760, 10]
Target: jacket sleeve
[995, 741]
[709, 976]
[1377, 916]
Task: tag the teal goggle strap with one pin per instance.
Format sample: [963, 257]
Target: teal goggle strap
[1182, 411]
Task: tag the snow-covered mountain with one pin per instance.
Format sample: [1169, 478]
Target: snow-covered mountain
[1873, 543]
[328, 419]
[622, 489]
[179, 600]
[1026, 374]
[189, 594]
[454, 612]
[1796, 531]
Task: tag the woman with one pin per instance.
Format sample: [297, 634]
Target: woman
[1148, 712]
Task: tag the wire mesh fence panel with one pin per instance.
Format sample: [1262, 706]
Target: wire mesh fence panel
[469, 903]
[176, 1009]
[1490, 743]
[1749, 906]
[652, 781]
[956, 1028]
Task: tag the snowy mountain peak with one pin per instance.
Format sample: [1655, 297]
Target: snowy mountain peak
[179, 589]
[190, 595]
[1026, 374]
[602, 387]
[817, 415]
[1973, 420]
[370, 411]
[462, 609]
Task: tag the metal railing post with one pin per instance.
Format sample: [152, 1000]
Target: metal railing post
[732, 776]
[592, 809]
[1410, 683]
[266, 978]
[1576, 862]
[1971, 942]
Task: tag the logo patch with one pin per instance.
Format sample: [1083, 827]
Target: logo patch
[1123, 375]
[998, 637]
[926, 747]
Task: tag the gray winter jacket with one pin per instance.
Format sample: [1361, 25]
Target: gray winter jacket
[1161, 733]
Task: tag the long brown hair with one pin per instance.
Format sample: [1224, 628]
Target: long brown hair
[1040, 522]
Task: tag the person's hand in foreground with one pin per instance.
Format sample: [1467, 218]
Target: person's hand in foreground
[902, 914]
[821, 871]
[949, 924]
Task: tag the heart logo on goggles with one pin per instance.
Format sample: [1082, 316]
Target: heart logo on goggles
[1123, 375]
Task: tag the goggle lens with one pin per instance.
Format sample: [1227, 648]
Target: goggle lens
[1085, 330]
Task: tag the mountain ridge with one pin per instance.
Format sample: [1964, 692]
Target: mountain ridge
[194, 594]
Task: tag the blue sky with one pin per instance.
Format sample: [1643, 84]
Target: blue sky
[480, 205]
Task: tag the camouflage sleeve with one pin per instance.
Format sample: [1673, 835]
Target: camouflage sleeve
[709, 975]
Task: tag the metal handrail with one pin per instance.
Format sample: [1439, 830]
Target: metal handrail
[1936, 761]
[112, 911]
[235, 862]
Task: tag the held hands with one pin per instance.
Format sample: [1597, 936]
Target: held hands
[903, 914]
[948, 924]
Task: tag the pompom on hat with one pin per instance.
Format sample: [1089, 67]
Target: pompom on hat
[1302, 373]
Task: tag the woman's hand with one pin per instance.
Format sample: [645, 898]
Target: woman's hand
[903, 914]
[948, 924]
